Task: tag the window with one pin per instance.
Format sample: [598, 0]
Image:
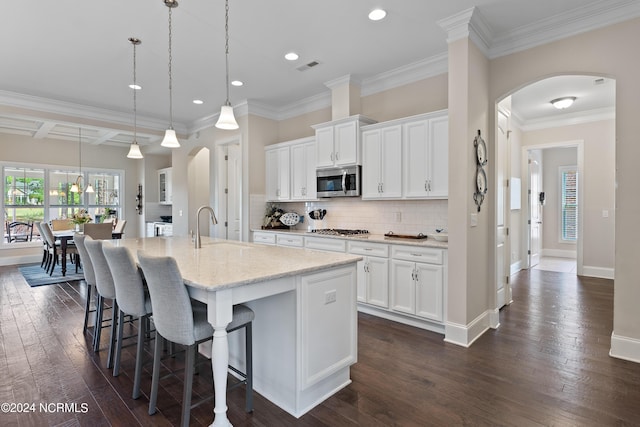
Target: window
[569, 204]
[41, 194]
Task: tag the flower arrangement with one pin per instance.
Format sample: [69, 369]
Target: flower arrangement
[272, 216]
[81, 217]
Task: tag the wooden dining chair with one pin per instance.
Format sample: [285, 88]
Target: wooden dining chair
[61, 224]
[99, 231]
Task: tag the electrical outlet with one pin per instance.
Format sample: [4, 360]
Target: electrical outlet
[398, 216]
[330, 296]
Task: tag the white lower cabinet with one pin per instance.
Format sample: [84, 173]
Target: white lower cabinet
[417, 287]
[373, 272]
[264, 238]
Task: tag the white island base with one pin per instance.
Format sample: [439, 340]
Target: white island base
[305, 326]
[304, 339]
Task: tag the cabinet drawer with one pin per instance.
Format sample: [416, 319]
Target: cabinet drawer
[289, 240]
[325, 244]
[264, 238]
[417, 254]
[368, 249]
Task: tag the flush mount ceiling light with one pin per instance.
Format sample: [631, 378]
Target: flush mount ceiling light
[226, 120]
[377, 14]
[170, 139]
[291, 56]
[76, 187]
[134, 150]
[198, 101]
[237, 83]
[564, 102]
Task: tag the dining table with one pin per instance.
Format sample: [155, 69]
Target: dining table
[66, 236]
[305, 305]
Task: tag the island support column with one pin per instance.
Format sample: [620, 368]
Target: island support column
[220, 314]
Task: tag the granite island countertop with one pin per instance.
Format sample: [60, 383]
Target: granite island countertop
[224, 264]
[374, 238]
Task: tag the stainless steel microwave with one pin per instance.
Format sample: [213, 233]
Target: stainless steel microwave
[338, 182]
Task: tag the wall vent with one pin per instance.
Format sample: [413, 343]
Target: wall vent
[307, 66]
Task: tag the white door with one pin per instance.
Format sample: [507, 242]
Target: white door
[234, 199]
[535, 210]
[502, 204]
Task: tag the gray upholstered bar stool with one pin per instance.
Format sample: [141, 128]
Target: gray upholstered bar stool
[89, 275]
[132, 300]
[106, 290]
[179, 320]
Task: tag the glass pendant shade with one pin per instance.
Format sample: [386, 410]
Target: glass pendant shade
[170, 139]
[89, 189]
[227, 120]
[134, 151]
[74, 188]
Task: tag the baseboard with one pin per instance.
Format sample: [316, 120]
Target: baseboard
[465, 335]
[601, 272]
[559, 253]
[400, 318]
[515, 267]
[625, 348]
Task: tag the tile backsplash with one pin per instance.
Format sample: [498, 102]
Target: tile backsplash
[377, 216]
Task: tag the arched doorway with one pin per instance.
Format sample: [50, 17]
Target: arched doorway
[534, 124]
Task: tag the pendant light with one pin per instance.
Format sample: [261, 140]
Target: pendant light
[227, 120]
[76, 187]
[134, 150]
[170, 139]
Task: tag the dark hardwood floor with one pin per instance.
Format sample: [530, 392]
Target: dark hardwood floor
[547, 365]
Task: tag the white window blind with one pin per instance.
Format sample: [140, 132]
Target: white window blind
[569, 208]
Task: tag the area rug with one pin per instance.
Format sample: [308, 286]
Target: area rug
[36, 276]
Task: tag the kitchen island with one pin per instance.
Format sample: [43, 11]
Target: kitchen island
[305, 327]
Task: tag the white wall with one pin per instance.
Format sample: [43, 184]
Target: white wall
[599, 187]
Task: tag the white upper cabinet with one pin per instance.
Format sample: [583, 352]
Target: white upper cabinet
[303, 171]
[165, 196]
[290, 170]
[426, 157]
[382, 163]
[277, 174]
[338, 142]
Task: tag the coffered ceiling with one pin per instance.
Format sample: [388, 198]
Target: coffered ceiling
[70, 61]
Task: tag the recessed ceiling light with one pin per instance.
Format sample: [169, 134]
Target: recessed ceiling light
[291, 56]
[136, 87]
[237, 83]
[198, 101]
[377, 14]
[564, 102]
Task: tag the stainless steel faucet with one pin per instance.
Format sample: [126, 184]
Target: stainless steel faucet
[214, 221]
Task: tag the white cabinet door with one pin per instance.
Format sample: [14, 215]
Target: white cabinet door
[303, 171]
[429, 285]
[371, 149]
[382, 163]
[416, 159]
[361, 280]
[378, 281]
[391, 162]
[164, 186]
[439, 155]
[345, 144]
[277, 174]
[426, 158]
[324, 147]
[403, 286]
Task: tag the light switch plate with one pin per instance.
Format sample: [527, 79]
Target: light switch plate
[474, 219]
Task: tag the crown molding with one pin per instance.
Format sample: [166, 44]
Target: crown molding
[416, 71]
[468, 23]
[566, 119]
[349, 79]
[586, 18]
[78, 111]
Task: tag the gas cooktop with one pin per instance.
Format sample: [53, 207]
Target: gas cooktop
[340, 232]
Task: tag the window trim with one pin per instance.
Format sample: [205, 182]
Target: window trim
[562, 170]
